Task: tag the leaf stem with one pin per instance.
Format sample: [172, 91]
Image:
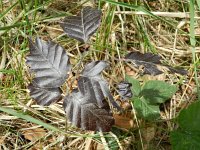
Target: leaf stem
[135, 117]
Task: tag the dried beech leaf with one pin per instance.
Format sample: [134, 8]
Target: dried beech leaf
[85, 84]
[87, 107]
[94, 68]
[49, 62]
[124, 89]
[178, 70]
[150, 61]
[44, 96]
[124, 121]
[34, 134]
[92, 73]
[83, 112]
[147, 60]
[82, 26]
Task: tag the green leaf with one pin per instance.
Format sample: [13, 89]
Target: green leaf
[185, 141]
[156, 92]
[29, 118]
[189, 119]
[146, 111]
[136, 88]
[187, 136]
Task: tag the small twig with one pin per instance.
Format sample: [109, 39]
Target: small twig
[178, 52]
[182, 23]
[88, 142]
[162, 14]
[3, 63]
[140, 135]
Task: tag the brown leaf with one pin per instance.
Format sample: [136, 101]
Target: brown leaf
[130, 72]
[34, 134]
[124, 121]
[2, 138]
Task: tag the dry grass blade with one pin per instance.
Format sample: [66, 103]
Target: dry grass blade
[161, 14]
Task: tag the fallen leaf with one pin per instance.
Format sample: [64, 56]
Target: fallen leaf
[124, 121]
[86, 107]
[2, 138]
[49, 63]
[150, 62]
[45, 96]
[147, 60]
[34, 134]
[124, 90]
[82, 26]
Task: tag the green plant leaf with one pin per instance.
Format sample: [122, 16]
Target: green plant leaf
[189, 119]
[187, 136]
[136, 88]
[156, 92]
[146, 111]
[181, 140]
[146, 101]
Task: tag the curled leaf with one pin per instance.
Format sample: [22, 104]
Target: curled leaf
[178, 70]
[124, 90]
[150, 62]
[82, 26]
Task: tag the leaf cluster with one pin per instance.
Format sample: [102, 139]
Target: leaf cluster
[147, 98]
[89, 106]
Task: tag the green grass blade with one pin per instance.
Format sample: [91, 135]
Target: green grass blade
[198, 3]
[29, 118]
[7, 10]
[138, 8]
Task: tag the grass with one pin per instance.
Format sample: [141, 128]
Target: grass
[193, 44]
[126, 26]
